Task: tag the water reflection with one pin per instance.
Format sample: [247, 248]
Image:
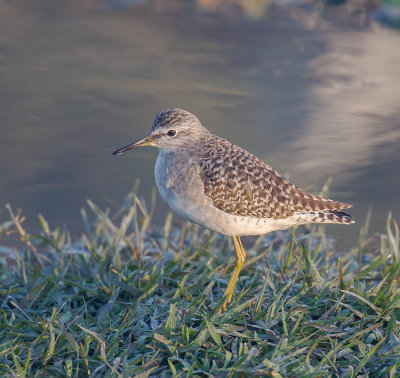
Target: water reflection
[78, 80]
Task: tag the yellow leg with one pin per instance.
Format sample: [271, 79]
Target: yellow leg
[240, 257]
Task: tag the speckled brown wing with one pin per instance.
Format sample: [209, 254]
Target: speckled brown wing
[241, 184]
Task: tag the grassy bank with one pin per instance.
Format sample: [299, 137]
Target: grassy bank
[128, 299]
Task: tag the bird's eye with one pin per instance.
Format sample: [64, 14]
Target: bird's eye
[171, 133]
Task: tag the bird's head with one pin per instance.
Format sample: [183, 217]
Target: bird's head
[171, 129]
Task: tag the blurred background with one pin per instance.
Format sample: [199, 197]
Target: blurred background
[311, 87]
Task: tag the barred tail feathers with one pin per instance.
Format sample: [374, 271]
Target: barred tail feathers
[325, 217]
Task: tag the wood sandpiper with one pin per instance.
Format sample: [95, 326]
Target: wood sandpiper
[222, 187]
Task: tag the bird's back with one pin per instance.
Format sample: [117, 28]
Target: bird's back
[241, 184]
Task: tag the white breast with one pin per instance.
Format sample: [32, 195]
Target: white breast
[179, 184]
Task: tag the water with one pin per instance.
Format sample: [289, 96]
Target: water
[314, 97]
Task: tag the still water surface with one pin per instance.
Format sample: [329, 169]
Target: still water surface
[313, 98]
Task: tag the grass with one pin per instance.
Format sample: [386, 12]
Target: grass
[128, 299]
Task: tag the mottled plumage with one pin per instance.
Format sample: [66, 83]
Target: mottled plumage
[242, 184]
[220, 186]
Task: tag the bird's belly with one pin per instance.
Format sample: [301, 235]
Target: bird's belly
[208, 216]
[183, 190]
[200, 210]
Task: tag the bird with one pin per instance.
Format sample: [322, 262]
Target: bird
[218, 185]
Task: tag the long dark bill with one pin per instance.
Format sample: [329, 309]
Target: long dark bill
[142, 142]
